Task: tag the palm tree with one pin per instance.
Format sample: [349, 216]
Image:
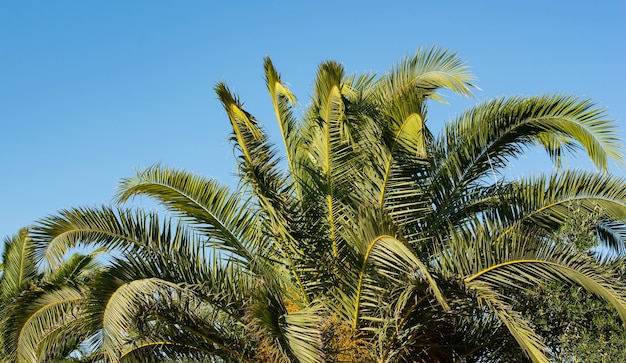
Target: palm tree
[372, 239]
[39, 309]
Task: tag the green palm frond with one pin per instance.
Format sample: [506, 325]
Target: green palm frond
[405, 137]
[44, 315]
[123, 306]
[19, 266]
[548, 201]
[505, 269]
[38, 309]
[183, 326]
[113, 229]
[283, 101]
[328, 141]
[485, 138]
[556, 262]
[302, 329]
[267, 318]
[258, 166]
[381, 263]
[258, 161]
[612, 234]
[209, 206]
[76, 270]
[519, 327]
[429, 69]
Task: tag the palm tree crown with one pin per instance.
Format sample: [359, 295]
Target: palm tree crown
[371, 239]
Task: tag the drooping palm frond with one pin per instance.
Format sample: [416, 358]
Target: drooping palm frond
[284, 335]
[113, 229]
[519, 327]
[508, 269]
[144, 308]
[485, 138]
[303, 332]
[430, 69]
[396, 261]
[123, 306]
[209, 206]
[38, 316]
[44, 315]
[612, 234]
[549, 201]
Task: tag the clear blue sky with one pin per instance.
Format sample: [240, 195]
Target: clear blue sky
[90, 90]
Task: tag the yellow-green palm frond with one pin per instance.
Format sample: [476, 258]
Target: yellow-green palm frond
[113, 229]
[283, 101]
[41, 319]
[549, 201]
[210, 207]
[19, 265]
[430, 68]
[489, 135]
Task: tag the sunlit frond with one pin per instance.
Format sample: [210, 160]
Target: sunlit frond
[18, 264]
[113, 229]
[209, 206]
[44, 315]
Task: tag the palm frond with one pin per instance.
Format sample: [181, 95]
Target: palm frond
[123, 306]
[45, 314]
[519, 327]
[283, 101]
[302, 329]
[18, 263]
[485, 138]
[113, 229]
[553, 263]
[612, 234]
[549, 201]
[429, 69]
[209, 206]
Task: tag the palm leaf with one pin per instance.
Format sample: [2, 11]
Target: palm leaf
[518, 327]
[19, 266]
[211, 207]
[113, 229]
[484, 139]
[282, 101]
[45, 314]
[547, 201]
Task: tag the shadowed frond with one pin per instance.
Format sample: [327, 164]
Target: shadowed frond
[518, 326]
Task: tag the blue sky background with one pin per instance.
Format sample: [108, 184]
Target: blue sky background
[90, 90]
